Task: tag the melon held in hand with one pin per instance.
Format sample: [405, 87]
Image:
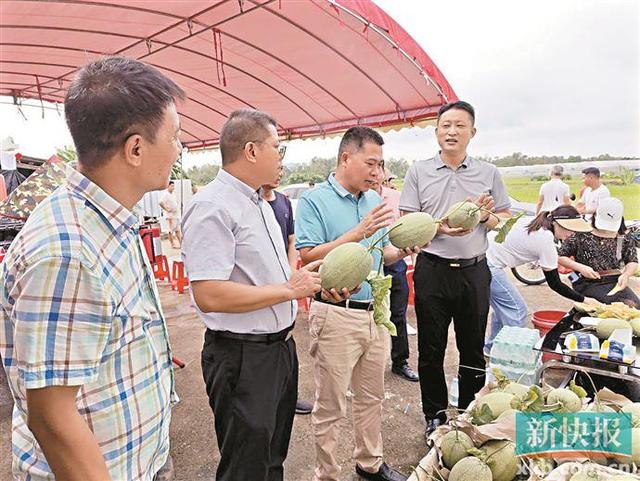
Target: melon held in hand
[348, 265]
[415, 229]
[463, 214]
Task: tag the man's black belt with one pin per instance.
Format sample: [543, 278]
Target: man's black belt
[263, 338]
[361, 305]
[454, 263]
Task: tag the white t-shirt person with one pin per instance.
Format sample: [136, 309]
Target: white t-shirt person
[169, 204]
[523, 247]
[591, 198]
[554, 194]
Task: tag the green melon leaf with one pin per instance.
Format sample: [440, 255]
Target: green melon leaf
[482, 415]
[504, 230]
[533, 402]
[579, 390]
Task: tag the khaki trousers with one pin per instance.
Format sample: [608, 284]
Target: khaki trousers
[348, 349]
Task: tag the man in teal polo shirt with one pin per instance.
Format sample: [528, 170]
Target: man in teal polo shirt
[347, 347]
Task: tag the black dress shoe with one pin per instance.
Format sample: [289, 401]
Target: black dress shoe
[385, 473]
[432, 424]
[303, 407]
[406, 372]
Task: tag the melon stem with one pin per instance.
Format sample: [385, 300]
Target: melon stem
[372, 246]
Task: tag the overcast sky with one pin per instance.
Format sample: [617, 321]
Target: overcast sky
[546, 77]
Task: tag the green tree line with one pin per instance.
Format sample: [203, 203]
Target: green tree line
[318, 168]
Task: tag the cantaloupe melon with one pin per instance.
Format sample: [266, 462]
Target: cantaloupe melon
[463, 214]
[415, 229]
[541, 467]
[635, 325]
[470, 469]
[633, 410]
[497, 401]
[567, 400]
[502, 459]
[506, 414]
[348, 265]
[516, 389]
[606, 327]
[587, 473]
[454, 447]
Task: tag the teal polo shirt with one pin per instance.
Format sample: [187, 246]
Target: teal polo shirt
[329, 210]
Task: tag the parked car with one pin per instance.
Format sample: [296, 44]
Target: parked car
[294, 191]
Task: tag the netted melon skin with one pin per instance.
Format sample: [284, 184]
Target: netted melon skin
[348, 265]
[463, 214]
[415, 229]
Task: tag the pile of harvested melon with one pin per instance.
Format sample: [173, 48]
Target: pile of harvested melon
[479, 444]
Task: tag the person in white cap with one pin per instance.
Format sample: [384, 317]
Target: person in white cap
[553, 193]
[529, 241]
[604, 258]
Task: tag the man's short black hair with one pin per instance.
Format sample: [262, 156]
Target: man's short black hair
[460, 105]
[356, 137]
[591, 171]
[112, 98]
[242, 126]
[171, 182]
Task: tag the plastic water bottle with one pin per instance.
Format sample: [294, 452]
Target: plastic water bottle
[453, 392]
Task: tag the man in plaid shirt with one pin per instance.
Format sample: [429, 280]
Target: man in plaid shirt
[82, 335]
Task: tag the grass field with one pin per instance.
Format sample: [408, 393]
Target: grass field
[526, 190]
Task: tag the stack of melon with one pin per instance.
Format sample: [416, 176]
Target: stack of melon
[493, 460]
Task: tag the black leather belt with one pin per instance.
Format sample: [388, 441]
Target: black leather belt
[455, 263]
[351, 304]
[283, 335]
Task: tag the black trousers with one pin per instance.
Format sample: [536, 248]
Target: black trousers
[399, 300]
[443, 293]
[598, 290]
[252, 390]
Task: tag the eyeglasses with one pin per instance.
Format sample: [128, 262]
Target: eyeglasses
[282, 149]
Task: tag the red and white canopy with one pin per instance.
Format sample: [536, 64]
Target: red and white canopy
[318, 66]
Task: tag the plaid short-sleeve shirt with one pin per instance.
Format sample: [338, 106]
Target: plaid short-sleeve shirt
[79, 307]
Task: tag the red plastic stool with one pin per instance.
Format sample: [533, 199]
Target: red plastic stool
[161, 268]
[180, 281]
[411, 300]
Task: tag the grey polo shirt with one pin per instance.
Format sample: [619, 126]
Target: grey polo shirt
[231, 234]
[430, 186]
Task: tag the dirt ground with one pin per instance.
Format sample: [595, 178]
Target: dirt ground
[193, 443]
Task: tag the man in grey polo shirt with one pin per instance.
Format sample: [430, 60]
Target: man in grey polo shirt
[451, 275]
[244, 291]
